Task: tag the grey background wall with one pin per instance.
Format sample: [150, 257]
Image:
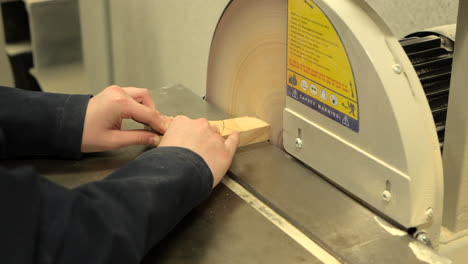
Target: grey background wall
[407, 16]
[172, 41]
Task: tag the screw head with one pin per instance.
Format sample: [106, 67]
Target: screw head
[387, 196]
[299, 143]
[397, 69]
[423, 238]
[429, 213]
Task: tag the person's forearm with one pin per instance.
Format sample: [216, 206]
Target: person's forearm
[41, 124]
[146, 198]
[116, 220]
[125, 215]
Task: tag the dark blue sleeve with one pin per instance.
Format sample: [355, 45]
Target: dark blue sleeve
[41, 124]
[116, 220]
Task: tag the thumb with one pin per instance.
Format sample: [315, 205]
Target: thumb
[232, 142]
[123, 138]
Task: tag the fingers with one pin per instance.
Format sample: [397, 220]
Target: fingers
[147, 116]
[125, 138]
[141, 95]
[232, 142]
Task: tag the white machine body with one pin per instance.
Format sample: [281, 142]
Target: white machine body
[392, 160]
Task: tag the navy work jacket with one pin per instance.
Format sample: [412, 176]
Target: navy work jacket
[115, 220]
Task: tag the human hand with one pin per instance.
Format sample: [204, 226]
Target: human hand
[205, 140]
[104, 115]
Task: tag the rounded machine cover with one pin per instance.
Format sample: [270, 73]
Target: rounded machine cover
[331, 74]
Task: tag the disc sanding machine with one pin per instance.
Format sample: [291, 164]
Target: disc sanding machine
[366, 110]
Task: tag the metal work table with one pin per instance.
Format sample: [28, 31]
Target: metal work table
[226, 229]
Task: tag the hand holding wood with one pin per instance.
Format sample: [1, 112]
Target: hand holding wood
[104, 115]
[203, 139]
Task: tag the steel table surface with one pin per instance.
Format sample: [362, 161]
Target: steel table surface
[225, 229]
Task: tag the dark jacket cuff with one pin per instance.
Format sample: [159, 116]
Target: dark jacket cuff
[41, 124]
[70, 126]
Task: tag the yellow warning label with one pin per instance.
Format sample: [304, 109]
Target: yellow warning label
[319, 71]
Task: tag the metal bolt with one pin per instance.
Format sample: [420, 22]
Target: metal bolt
[423, 238]
[387, 196]
[429, 213]
[298, 143]
[397, 69]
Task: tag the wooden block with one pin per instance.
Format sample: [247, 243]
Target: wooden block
[252, 130]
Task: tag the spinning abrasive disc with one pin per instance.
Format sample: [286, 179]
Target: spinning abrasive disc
[247, 65]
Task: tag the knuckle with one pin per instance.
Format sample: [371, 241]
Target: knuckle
[116, 94]
[157, 113]
[114, 88]
[180, 118]
[203, 122]
[120, 99]
[142, 140]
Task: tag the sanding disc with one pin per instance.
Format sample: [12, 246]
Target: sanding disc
[247, 64]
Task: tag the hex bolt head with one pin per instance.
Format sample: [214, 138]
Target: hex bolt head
[397, 69]
[387, 196]
[299, 143]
